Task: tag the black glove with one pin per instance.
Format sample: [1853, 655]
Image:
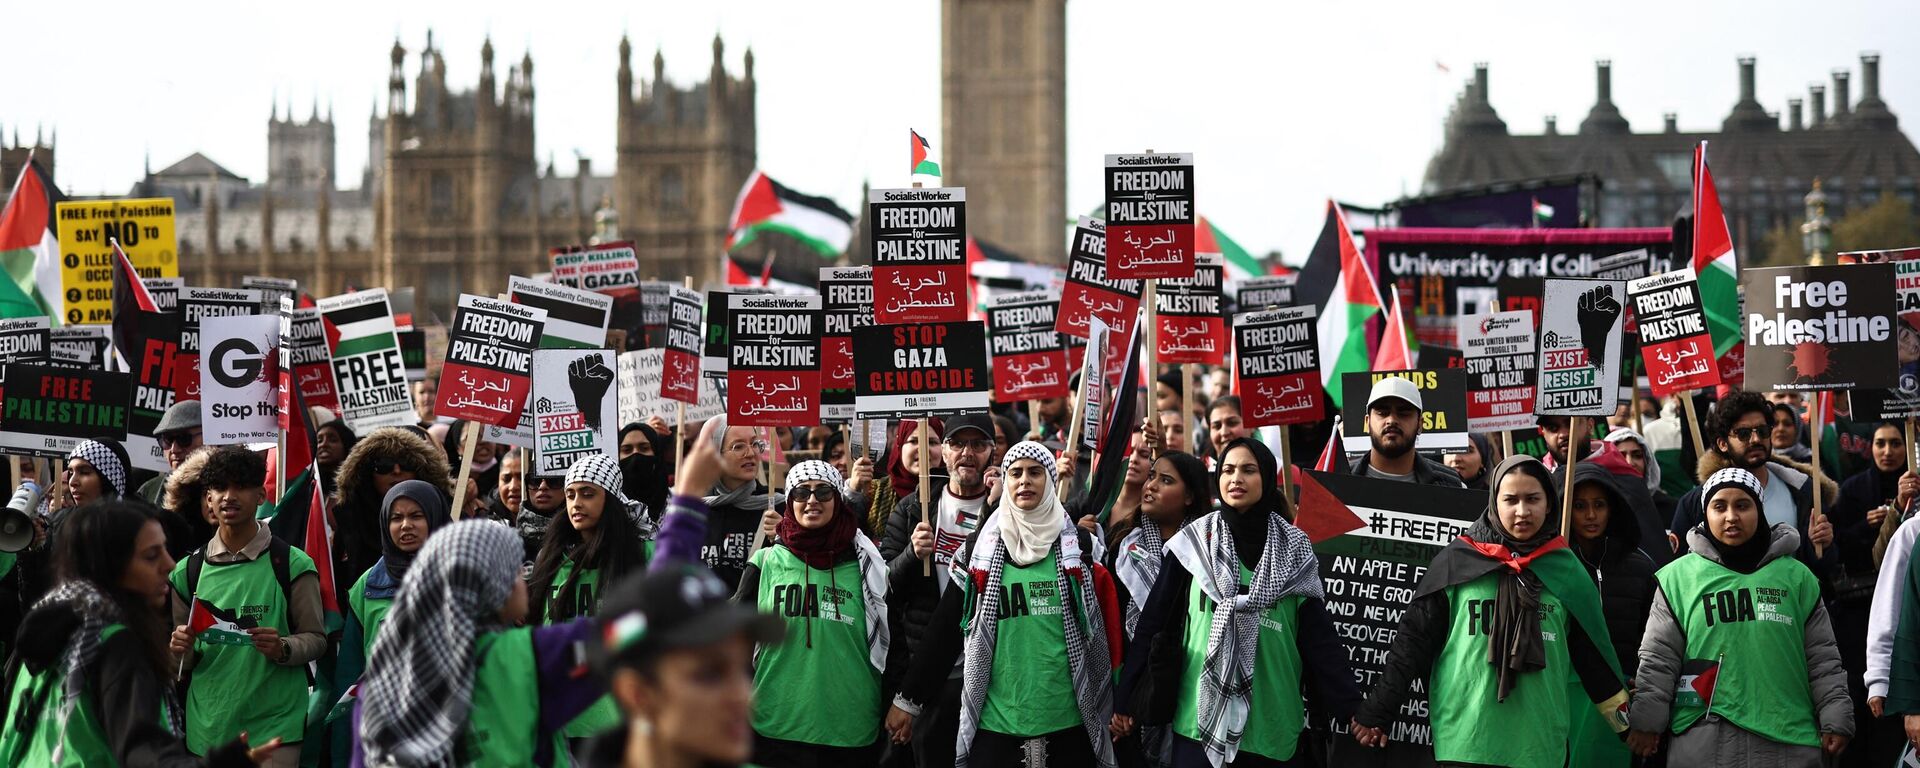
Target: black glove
[589, 380]
[1598, 310]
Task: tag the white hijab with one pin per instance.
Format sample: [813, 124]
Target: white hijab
[1031, 534]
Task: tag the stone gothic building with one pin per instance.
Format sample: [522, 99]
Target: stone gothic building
[1003, 100]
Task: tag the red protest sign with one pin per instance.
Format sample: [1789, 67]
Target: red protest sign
[919, 254]
[1674, 341]
[489, 368]
[1278, 359]
[1150, 215]
[1191, 328]
[905, 371]
[848, 293]
[773, 365]
[680, 377]
[1029, 361]
[1090, 292]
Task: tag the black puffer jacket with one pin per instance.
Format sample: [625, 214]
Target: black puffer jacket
[920, 594]
[1622, 572]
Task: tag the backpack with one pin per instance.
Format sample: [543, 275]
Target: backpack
[279, 552]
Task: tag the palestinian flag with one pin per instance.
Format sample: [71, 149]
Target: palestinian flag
[344, 707]
[1542, 213]
[209, 624]
[766, 206]
[1351, 306]
[1697, 679]
[740, 272]
[318, 544]
[1240, 264]
[29, 247]
[357, 330]
[1395, 353]
[1116, 434]
[1330, 455]
[1320, 514]
[1714, 259]
[921, 165]
[130, 298]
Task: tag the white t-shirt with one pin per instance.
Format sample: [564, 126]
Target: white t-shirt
[957, 519]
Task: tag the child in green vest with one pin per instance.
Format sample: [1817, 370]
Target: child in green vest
[451, 681]
[600, 539]
[1739, 661]
[90, 683]
[819, 699]
[1036, 618]
[247, 610]
[1510, 592]
[1240, 605]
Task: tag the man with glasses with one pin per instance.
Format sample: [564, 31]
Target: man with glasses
[960, 505]
[1741, 432]
[179, 436]
[1393, 427]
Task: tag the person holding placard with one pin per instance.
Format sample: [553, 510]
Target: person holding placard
[1240, 610]
[739, 503]
[1509, 592]
[820, 699]
[1739, 661]
[1393, 427]
[1026, 595]
[1741, 433]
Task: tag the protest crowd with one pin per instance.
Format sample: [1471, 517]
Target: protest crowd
[1107, 522]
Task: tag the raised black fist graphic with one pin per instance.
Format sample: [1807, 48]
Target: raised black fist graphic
[1598, 310]
[589, 380]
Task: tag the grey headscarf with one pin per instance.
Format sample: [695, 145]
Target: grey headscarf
[746, 496]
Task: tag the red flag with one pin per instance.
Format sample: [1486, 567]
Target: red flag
[1393, 354]
[318, 544]
[130, 297]
[1320, 515]
[1330, 455]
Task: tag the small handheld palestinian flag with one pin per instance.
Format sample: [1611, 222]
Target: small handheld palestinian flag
[216, 626]
[1697, 679]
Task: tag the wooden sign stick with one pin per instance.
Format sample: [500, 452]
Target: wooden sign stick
[469, 439]
[1574, 432]
[926, 491]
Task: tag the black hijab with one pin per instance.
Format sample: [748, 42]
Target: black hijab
[1249, 526]
[431, 502]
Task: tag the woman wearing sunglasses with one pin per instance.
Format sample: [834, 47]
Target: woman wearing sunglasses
[602, 538]
[378, 462]
[820, 696]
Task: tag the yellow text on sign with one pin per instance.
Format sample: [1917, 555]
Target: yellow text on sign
[144, 227]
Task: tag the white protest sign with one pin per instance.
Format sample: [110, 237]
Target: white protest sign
[239, 363]
[575, 403]
[640, 391]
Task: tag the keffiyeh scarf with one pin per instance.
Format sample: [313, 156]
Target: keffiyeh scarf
[1138, 566]
[96, 611]
[1287, 567]
[1086, 637]
[603, 471]
[418, 687]
[105, 462]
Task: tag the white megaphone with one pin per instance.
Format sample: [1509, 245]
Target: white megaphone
[16, 521]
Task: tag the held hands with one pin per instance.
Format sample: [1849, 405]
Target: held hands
[1120, 727]
[1368, 736]
[899, 725]
[266, 640]
[991, 475]
[769, 521]
[1833, 743]
[862, 470]
[1090, 524]
[1877, 705]
[1820, 532]
[1909, 486]
[1150, 431]
[180, 643]
[1643, 743]
[1069, 459]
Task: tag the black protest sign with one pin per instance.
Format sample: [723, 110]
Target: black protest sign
[1265, 292]
[919, 241]
[413, 353]
[1150, 215]
[906, 371]
[1029, 360]
[1089, 292]
[1443, 408]
[1819, 328]
[713, 354]
[773, 364]
[655, 298]
[197, 304]
[23, 340]
[1191, 324]
[1370, 572]
[848, 292]
[1278, 356]
[48, 411]
[80, 346]
[155, 340]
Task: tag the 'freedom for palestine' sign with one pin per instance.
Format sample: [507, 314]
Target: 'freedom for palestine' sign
[919, 254]
[1150, 215]
[773, 366]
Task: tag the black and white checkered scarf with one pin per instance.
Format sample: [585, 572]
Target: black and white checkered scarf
[105, 462]
[603, 471]
[1287, 566]
[96, 611]
[418, 686]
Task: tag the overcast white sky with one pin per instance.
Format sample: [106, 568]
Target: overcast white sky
[1284, 103]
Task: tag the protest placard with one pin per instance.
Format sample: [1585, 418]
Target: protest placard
[1265, 292]
[165, 292]
[24, 340]
[80, 346]
[1278, 356]
[773, 364]
[641, 393]
[1192, 325]
[1903, 399]
[1094, 384]
[239, 379]
[413, 353]
[1498, 349]
[848, 296]
[489, 369]
[87, 230]
[271, 289]
[574, 405]
[369, 377]
[1580, 328]
[919, 241]
[904, 371]
[1150, 215]
[713, 352]
[1817, 328]
[1090, 292]
[610, 268]
[155, 340]
[576, 319]
[654, 309]
[1370, 572]
[1029, 360]
[1674, 341]
[48, 411]
[303, 349]
[197, 304]
[872, 443]
[1443, 412]
[680, 379]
